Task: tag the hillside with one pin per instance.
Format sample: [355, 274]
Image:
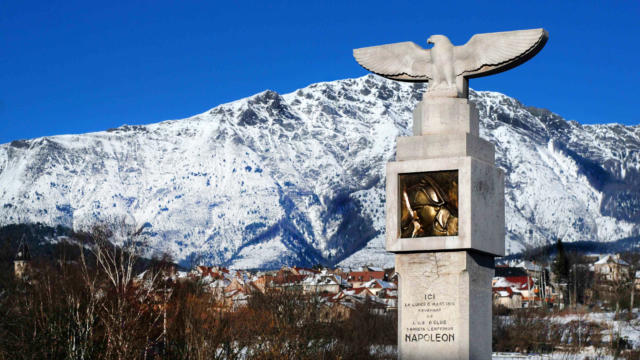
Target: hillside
[299, 178]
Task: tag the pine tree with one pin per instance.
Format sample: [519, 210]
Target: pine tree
[561, 266]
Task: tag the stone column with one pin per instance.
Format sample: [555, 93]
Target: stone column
[445, 222]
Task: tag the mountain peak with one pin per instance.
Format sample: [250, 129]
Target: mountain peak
[298, 178]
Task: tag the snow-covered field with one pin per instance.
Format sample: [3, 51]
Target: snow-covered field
[586, 355]
[627, 329]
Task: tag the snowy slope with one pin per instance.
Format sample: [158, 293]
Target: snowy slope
[299, 178]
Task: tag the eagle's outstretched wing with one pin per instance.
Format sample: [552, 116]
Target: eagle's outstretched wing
[491, 53]
[404, 61]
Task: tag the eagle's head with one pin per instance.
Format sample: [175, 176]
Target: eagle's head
[434, 39]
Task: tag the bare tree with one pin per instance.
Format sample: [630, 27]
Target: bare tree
[128, 307]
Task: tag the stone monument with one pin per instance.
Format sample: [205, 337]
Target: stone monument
[445, 197]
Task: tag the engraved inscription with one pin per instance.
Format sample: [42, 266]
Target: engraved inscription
[430, 323]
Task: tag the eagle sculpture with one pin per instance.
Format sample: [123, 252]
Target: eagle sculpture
[446, 67]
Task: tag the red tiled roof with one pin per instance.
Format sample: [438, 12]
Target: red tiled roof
[365, 275]
[313, 271]
[288, 279]
[521, 282]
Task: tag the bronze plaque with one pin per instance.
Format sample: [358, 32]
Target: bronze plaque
[429, 204]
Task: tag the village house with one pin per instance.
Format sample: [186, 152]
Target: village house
[332, 310]
[342, 305]
[215, 287]
[286, 281]
[390, 298]
[340, 272]
[260, 283]
[235, 299]
[233, 288]
[214, 271]
[358, 278]
[531, 268]
[611, 268]
[515, 291]
[298, 271]
[507, 297]
[238, 282]
[323, 283]
[377, 285]
[305, 271]
[523, 285]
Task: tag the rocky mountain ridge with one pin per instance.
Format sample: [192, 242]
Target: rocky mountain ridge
[299, 178]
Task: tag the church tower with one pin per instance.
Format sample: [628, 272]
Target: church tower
[22, 261]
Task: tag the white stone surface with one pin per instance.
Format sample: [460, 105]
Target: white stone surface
[480, 206]
[438, 287]
[447, 67]
[444, 302]
[444, 290]
[444, 145]
[442, 115]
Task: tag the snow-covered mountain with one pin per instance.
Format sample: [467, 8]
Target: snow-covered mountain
[299, 178]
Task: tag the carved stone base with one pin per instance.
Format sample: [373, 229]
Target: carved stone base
[444, 305]
[444, 145]
[442, 91]
[480, 206]
[442, 115]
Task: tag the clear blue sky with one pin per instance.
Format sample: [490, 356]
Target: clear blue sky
[80, 66]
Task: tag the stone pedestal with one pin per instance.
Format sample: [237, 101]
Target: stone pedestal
[445, 222]
[444, 305]
[444, 115]
[480, 206]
